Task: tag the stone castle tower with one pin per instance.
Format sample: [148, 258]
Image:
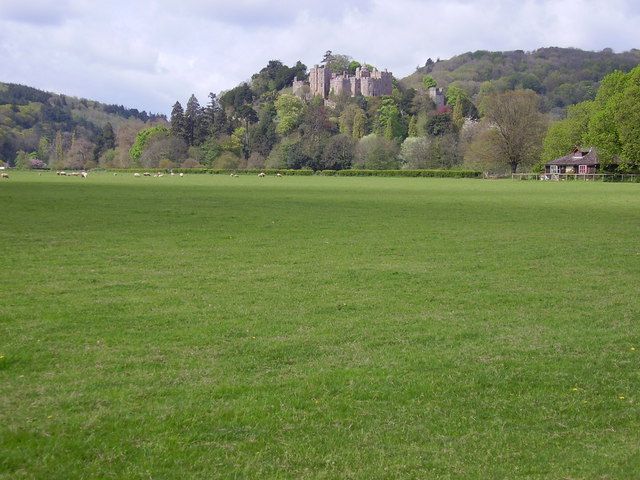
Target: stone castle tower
[437, 95]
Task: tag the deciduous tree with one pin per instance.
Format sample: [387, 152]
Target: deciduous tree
[519, 127]
[289, 111]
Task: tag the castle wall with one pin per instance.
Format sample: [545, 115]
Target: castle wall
[298, 86]
[364, 82]
[340, 84]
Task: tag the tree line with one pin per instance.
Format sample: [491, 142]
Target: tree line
[261, 124]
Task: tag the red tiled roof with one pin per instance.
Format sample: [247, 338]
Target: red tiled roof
[578, 157]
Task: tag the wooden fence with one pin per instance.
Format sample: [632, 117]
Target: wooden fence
[602, 177]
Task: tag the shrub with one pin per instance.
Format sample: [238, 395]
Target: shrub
[373, 152]
[190, 163]
[37, 164]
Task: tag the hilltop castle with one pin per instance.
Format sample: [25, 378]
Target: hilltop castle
[374, 83]
[322, 81]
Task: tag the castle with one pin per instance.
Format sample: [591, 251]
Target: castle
[322, 81]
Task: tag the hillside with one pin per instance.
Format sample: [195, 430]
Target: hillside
[27, 115]
[563, 76]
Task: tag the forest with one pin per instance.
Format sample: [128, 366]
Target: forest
[261, 124]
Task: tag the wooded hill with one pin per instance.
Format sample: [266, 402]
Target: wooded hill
[562, 76]
[27, 115]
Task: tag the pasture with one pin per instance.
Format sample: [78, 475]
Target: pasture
[309, 327]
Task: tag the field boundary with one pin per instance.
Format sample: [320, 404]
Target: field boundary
[599, 177]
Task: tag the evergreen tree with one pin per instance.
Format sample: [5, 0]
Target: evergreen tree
[106, 141]
[191, 119]
[210, 111]
[262, 136]
[202, 127]
[216, 118]
[178, 121]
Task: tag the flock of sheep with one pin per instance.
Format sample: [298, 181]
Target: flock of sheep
[84, 174]
[147, 174]
[81, 174]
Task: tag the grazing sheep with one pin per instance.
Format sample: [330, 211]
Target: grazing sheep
[115, 174]
[136, 174]
[278, 175]
[62, 172]
[262, 174]
[146, 174]
[4, 175]
[84, 174]
[182, 175]
[172, 174]
[161, 175]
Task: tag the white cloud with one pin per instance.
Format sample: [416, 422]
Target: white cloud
[147, 54]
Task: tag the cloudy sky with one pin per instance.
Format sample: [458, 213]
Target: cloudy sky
[149, 53]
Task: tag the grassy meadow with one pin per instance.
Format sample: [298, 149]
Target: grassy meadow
[323, 328]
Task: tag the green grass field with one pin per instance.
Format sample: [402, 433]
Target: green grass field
[371, 328]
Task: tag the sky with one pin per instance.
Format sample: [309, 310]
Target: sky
[147, 54]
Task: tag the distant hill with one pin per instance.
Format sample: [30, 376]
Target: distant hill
[563, 76]
[28, 114]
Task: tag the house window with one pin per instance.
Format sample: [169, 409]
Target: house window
[582, 169]
[554, 169]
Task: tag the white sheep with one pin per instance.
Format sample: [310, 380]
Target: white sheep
[278, 175]
[136, 174]
[262, 174]
[146, 174]
[4, 175]
[182, 175]
[84, 174]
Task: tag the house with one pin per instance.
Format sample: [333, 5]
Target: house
[580, 162]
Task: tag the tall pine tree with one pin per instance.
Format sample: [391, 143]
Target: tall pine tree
[192, 116]
[177, 121]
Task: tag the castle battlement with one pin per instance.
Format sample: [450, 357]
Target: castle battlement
[322, 81]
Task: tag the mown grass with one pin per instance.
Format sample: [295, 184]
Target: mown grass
[216, 327]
